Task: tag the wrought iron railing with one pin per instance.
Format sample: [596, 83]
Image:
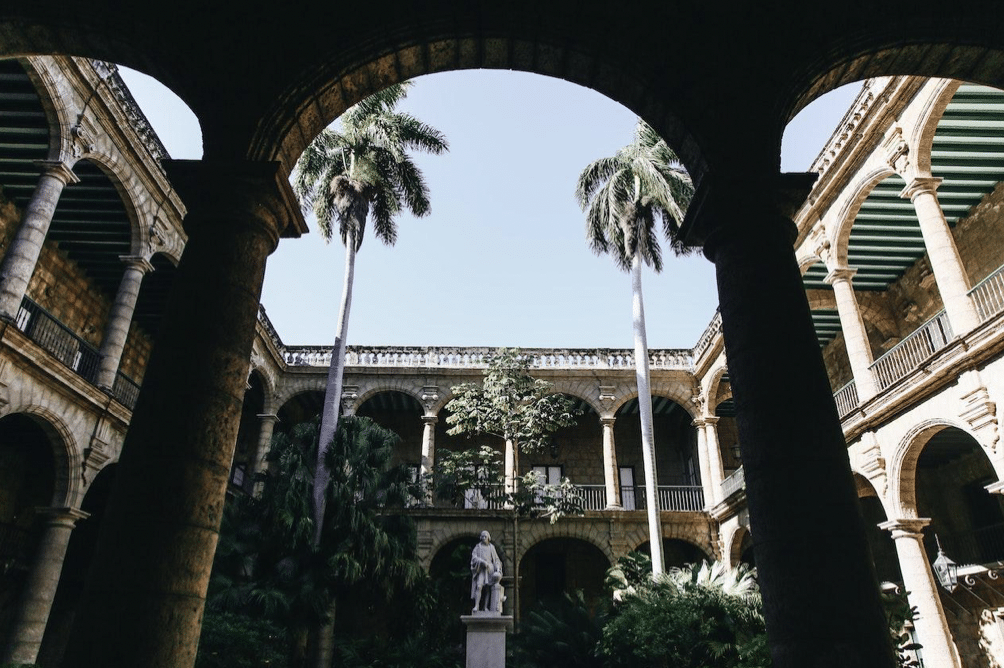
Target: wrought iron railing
[678, 498]
[734, 483]
[594, 497]
[912, 351]
[41, 327]
[125, 390]
[846, 399]
[988, 295]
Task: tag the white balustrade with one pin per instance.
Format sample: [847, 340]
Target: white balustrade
[913, 351]
[988, 295]
[846, 399]
[734, 483]
[594, 497]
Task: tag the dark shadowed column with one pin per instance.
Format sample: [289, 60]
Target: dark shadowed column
[143, 601]
[821, 596]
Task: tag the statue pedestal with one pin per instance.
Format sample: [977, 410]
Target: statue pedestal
[486, 638]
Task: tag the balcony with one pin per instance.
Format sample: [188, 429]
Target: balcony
[734, 483]
[72, 351]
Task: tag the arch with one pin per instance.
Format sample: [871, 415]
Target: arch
[65, 452]
[131, 192]
[679, 551]
[577, 390]
[856, 194]
[921, 139]
[711, 387]
[57, 111]
[675, 392]
[736, 544]
[540, 532]
[903, 468]
[559, 565]
[388, 385]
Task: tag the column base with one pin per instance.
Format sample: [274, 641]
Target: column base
[486, 639]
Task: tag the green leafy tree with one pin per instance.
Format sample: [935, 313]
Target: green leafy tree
[523, 411]
[564, 632]
[625, 197]
[361, 172]
[268, 564]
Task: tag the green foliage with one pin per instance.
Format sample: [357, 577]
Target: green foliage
[563, 633]
[690, 627]
[631, 572]
[898, 612]
[266, 564]
[231, 640]
[363, 170]
[626, 195]
[510, 404]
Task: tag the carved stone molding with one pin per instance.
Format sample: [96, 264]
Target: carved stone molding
[429, 397]
[978, 410]
[872, 463]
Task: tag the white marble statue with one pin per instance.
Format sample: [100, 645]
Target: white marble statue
[486, 573]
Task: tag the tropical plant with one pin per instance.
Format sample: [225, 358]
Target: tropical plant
[361, 172]
[695, 616]
[268, 565]
[563, 632]
[625, 197]
[898, 613]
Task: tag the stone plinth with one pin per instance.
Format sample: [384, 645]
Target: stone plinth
[486, 639]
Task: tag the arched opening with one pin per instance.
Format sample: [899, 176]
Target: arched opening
[79, 553]
[401, 413]
[883, 548]
[299, 408]
[248, 434]
[556, 566]
[677, 463]
[574, 453]
[450, 573]
[951, 478]
[27, 482]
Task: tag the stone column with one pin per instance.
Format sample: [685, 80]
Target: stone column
[266, 426]
[949, 273]
[855, 337]
[143, 601]
[702, 459]
[40, 588]
[428, 462]
[715, 466]
[922, 591]
[610, 472]
[120, 319]
[804, 519]
[22, 255]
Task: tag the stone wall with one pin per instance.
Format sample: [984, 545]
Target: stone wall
[60, 287]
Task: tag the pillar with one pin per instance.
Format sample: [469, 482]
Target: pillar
[702, 458]
[22, 255]
[809, 537]
[266, 425]
[40, 588]
[715, 466]
[120, 319]
[143, 601]
[428, 462]
[610, 472]
[922, 591]
[946, 264]
[853, 327]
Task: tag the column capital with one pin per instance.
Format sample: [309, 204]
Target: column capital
[138, 261]
[607, 421]
[248, 189]
[268, 417]
[906, 527]
[711, 420]
[64, 516]
[920, 185]
[58, 169]
[430, 420]
[720, 207]
[840, 274]
[698, 422]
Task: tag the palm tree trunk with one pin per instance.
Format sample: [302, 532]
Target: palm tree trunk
[333, 390]
[645, 410]
[323, 641]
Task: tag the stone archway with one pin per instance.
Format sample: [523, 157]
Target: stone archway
[554, 567]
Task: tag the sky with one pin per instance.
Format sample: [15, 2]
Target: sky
[502, 258]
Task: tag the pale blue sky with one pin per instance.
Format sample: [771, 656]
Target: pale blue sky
[502, 258]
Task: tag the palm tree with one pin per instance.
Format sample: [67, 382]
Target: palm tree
[346, 177]
[624, 197]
